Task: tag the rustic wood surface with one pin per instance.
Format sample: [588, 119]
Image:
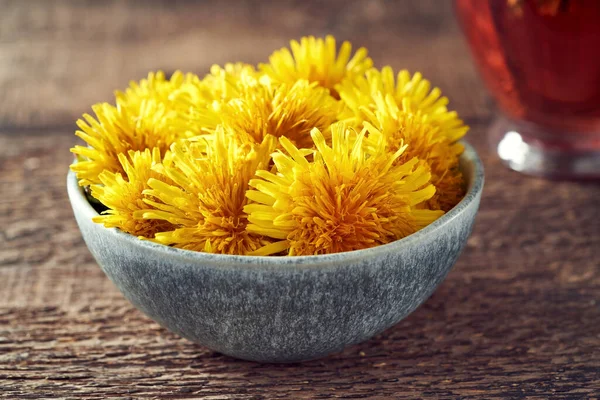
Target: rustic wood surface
[518, 317]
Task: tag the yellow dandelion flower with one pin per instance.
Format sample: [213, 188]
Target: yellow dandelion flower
[222, 83]
[157, 87]
[411, 93]
[425, 142]
[214, 90]
[262, 108]
[187, 94]
[349, 197]
[180, 94]
[123, 194]
[207, 196]
[316, 61]
[117, 130]
[281, 110]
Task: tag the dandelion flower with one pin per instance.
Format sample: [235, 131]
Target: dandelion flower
[424, 141]
[180, 94]
[263, 108]
[316, 61]
[223, 83]
[289, 110]
[411, 93]
[217, 88]
[187, 95]
[349, 197]
[123, 194]
[206, 199]
[117, 130]
[157, 87]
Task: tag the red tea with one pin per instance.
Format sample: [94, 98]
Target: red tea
[540, 59]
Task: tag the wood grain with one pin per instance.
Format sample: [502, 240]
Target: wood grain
[518, 317]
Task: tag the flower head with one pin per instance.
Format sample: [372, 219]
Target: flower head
[423, 140]
[223, 83]
[289, 110]
[117, 130]
[206, 199]
[316, 61]
[411, 94]
[122, 194]
[217, 88]
[179, 95]
[349, 197]
[157, 87]
[263, 108]
[187, 96]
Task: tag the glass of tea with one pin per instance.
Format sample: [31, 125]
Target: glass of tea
[541, 61]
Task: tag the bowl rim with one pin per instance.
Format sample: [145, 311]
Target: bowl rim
[81, 205]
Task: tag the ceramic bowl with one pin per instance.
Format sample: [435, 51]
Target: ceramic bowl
[282, 309]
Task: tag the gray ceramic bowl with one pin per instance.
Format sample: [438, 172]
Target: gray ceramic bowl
[282, 309]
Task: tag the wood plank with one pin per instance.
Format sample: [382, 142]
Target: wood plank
[39, 242]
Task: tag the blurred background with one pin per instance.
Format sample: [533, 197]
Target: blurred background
[59, 57]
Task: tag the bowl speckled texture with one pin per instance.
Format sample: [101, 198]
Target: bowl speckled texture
[282, 309]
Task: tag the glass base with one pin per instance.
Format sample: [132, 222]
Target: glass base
[521, 148]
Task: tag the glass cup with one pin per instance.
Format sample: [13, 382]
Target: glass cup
[540, 59]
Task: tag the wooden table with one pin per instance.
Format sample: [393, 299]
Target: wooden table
[519, 316]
